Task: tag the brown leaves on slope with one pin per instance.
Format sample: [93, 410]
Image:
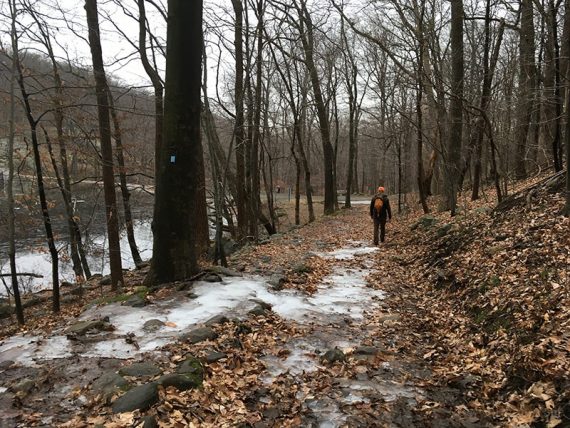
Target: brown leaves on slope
[493, 299]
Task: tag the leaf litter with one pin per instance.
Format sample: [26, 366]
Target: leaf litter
[466, 327]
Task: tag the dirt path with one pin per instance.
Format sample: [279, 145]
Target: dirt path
[342, 346]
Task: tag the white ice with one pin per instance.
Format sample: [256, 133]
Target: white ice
[348, 253]
[28, 350]
[343, 293]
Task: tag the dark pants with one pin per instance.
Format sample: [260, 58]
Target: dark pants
[379, 223]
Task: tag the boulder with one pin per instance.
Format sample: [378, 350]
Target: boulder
[152, 325]
[366, 350]
[276, 281]
[198, 335]
[82, 327]
[135, 301]
[216, 320]
[4, 365]
[140, 370]
[214, 356]
[69, 299]
[191, 366]
[301, 268]
[108, 384]
[264, 305]
[180, 381]
[258, 310]
[212, 277]
[105, 280]
[333, 355]
[189, 375]
[443, 230]
[140, 398]
[425, 222]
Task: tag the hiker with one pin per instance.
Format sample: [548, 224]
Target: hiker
[380, 212]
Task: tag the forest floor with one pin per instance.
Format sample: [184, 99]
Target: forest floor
[459, 322]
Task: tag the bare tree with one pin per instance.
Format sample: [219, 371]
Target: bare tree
[10, 183]
[306, 33]
[33, 123]
[526, 85]
[101, 89]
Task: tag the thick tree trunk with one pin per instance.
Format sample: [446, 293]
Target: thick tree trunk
[180, 198]
[111, 212]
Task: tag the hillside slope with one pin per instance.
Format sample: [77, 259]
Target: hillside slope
[491, 288]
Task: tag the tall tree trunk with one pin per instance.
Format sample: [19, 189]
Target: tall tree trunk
[180, 197]
[239, 131]
[419, 114]
[294, 136]
[456, 105]
[566, 42]
[79, 261]
[489, 66]
[111, 212]
[553, 105]
[526, 86]
[306, 29]
[41, 189]
[10, 183]
[256, 137]
[218, 178]
[125, 193]
[351, 76]
[154, 78]
[302, 134]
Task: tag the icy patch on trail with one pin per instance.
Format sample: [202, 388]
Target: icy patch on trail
[302, 355]
[28, 350]
[342, 294]
[388, 390]
[348, 253]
